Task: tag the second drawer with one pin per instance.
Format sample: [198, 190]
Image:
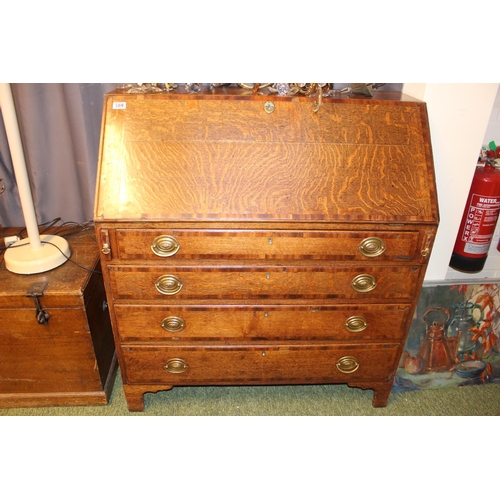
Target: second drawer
[248, 281]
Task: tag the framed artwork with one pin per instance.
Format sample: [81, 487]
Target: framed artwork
[453, 338]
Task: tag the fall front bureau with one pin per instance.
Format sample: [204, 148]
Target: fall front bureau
[247, 238]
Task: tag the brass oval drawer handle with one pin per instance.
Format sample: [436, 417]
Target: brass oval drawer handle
[173, 324]
[355, 324]
[176, 365]
[168, 284]
[165, 246]
[364, 283]
[372, 247]
[347, 364]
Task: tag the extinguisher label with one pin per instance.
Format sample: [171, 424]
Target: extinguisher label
[480, 225]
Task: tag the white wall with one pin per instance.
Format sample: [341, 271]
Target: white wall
[459, 114]
[491, 271]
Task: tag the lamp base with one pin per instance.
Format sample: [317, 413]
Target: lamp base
[21, 258]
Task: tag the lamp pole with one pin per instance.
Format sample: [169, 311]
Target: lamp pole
[35, 254]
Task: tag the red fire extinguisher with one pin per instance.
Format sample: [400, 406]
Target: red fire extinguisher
[479, 219]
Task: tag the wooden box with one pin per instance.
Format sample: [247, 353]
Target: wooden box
[70, 360]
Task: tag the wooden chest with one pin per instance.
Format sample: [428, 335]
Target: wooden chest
[70, 359]
[248, 239]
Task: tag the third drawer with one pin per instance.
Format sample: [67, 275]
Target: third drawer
[211, 322]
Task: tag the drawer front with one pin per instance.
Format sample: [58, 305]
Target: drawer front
[333, 245]
[258, 364]
[244, 282]
[347, 323]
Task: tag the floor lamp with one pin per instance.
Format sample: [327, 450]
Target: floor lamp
[36, 253]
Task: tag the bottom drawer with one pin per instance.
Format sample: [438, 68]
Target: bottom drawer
[258, 364]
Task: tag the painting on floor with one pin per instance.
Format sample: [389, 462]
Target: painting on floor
[453, 338]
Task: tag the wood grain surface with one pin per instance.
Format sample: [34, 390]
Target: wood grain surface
[215, 159]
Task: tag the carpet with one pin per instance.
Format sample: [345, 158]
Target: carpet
[299, 400]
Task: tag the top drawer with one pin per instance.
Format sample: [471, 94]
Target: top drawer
[176, 244]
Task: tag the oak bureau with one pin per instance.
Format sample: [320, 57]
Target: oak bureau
[249, 239]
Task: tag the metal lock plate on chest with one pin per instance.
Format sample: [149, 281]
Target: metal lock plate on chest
[35, 291]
